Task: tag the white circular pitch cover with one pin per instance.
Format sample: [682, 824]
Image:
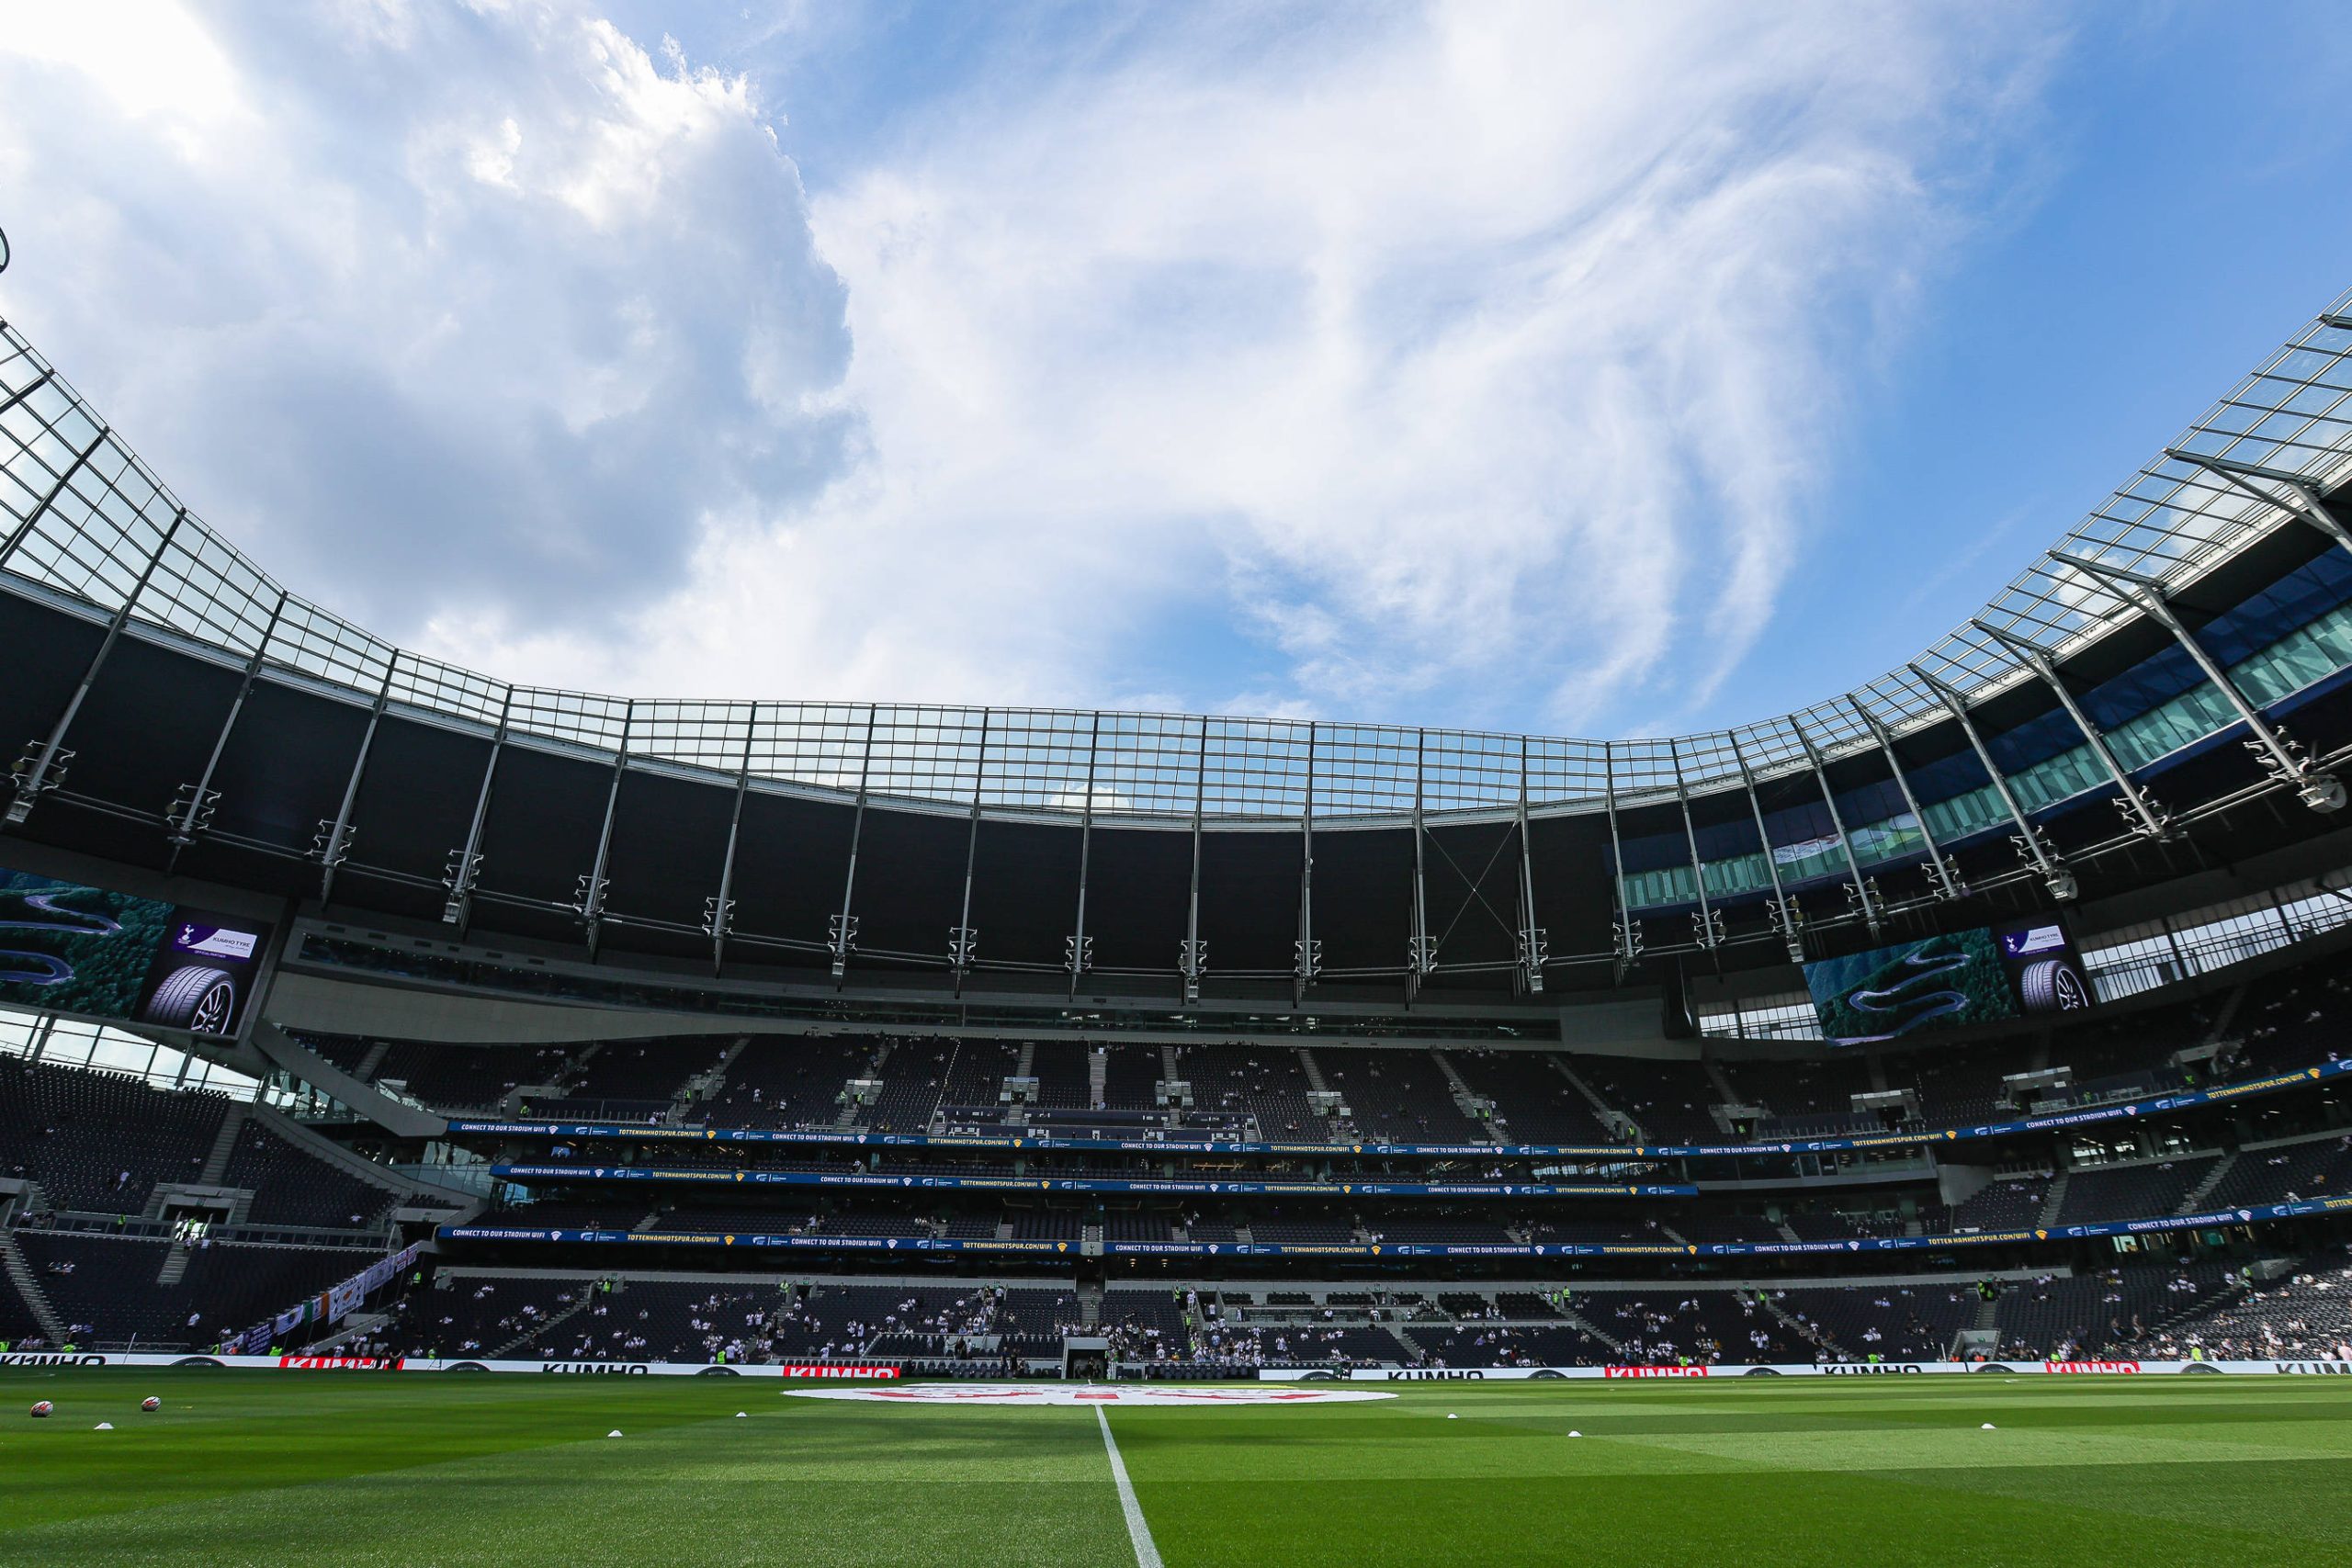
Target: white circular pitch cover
[1036, 1394]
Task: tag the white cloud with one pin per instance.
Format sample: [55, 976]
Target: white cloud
[1475, 363]
[476, 314]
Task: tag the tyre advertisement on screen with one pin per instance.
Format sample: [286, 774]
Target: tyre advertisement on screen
[68, 948]
[2043, 966]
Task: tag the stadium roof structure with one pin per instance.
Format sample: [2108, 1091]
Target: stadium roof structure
[2235, 505]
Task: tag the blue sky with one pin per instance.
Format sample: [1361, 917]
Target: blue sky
[1605, 370]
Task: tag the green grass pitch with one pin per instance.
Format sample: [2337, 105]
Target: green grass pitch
[354, 1470]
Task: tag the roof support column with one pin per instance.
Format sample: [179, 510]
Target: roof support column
[191, 811]
[1709, 930]
[334, 843]
[1941, 873]
[1421, 950]
[1307, 961]
[24, 530]
[2139, 808]
[1626, 931]
[2281, 756]
[1860, 889]
[1533, 948]
[1077, 948]
[2028, 837]
[465, 865]
[2301, 499]
[591, 906]
[843, 935]
[1788, 919]
[43, 768]
[961, 937]
[1193, 959]
[720, 911]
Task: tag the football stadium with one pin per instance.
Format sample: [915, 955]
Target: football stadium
[450, 1121]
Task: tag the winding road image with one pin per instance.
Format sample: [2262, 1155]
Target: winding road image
[46, 969]
[1907, 999]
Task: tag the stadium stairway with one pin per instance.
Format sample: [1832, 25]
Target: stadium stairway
[1616, 1121]
[853, 1114]
[1575, 1319]
[1314, 1071]
[1803, 1331]
[2053, 1201]
[541, 1326]
[1732, 1100]
[1098, 1077]
[20, 1275]
[2226, 1015]
[224, 1145]
[366, 1071]
[706, 1085]
[1469, 1101]
[358, 1326]
[395, 1116]
[412, 1192]
[2205, 1186]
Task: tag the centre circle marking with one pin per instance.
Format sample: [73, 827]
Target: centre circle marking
[1047, 1394]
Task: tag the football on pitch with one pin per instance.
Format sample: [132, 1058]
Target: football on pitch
[151, 1403]
[41, 1407]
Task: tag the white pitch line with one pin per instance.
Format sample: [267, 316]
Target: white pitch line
[1139, 1532]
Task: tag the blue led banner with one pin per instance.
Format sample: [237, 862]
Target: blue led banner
[2119, 1110]
[2219, 1219]
[690, 1177]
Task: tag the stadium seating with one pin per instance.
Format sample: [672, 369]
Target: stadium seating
[2094, 1314]
[98, 1142]
[2289, 1020]
[2005, 1203]
[1267, 1083]
[1895, 1323]
[1397, 1096]
[1063, 1072]
[482, 1317]
[104, 1287]
[913, 1076]
[467, 1078]
[628, 1080]
[1668, 1099]
[788, 1083]
[2305, 1313]
[1534, 1101]
[2273, 1175]
[2154, 1187]
[292, 1186]
[1807, 1098]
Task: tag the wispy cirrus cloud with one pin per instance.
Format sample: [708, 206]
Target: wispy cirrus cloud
[1464, 362]
[1471, 363]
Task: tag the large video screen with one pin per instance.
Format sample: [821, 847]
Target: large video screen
[68, 948]
[2044, 968]
[1942, 982]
